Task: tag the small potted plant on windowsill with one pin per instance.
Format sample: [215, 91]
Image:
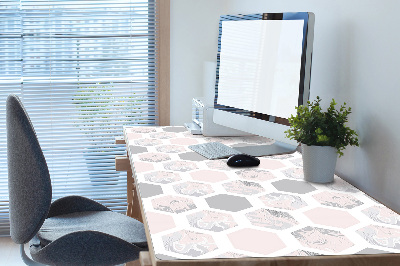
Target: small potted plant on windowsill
[323, 135]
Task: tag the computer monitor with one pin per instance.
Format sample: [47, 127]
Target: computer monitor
[263, 73]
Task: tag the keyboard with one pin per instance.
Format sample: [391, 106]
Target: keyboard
[214, 150]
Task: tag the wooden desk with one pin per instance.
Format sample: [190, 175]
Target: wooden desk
[202, 212]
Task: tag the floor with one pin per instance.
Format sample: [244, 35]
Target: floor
[9, 253]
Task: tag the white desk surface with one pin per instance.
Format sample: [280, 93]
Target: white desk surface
[197, 208]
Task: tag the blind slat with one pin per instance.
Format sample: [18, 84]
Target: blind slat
[83, 70]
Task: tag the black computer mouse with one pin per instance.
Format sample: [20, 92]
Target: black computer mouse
[241, 160]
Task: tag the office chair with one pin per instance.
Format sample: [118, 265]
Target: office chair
[70, 231]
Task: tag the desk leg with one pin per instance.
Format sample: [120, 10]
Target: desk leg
[132, 197]
[129, 192]
[122, 164]
[144, 260]
[134, 212]
[133, 263]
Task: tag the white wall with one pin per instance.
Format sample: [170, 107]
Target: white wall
[194, 41]
[356, 59]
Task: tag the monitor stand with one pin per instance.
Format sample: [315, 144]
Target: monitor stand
[264, 150]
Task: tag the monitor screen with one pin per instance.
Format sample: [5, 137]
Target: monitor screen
[263, 71]
[260, 63]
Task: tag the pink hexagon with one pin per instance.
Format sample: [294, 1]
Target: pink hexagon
[322, 239]
[147, 142]
[294, 172]
[162, 177]
[257, 241]
[243, 187]
[159, 222]
[335, 199]
[141, 167]
[270, 164]
[173, 204]
[189, 243]
[154, 157]
[273, 219]
[382, 214]
[255, 174]
[162, 135]
[211, 220]
[133, 136]
[218, 165]
[335, 218]
[170, 148]
[183, 141]
[283, 201]
[381, 235]
[180, 166]
[209, 176]
[193, 189]
[341, 185]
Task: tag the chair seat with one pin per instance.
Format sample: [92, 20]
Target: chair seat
[107, 222]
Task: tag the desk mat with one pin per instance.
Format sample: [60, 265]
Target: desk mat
[200, 208]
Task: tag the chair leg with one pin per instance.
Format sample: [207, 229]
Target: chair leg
[26, 259]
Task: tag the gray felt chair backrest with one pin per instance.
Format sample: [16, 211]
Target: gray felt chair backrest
[29, 184]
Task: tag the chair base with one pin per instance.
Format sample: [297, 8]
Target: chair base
[26, 259]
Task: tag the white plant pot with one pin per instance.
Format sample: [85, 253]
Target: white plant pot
[319, 163]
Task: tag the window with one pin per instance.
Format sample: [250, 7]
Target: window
[83, 69]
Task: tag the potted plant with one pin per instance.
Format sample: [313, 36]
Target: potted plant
[323, 135]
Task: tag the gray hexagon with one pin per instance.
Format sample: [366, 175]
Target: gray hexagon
[371, 251]
[149, 190]
[137, 149]
[228, 203]
[174, 129]
[165, 257]
[293, 186]
[266, 218]
[192, 156]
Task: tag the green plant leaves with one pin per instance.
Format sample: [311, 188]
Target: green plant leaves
[312, 126]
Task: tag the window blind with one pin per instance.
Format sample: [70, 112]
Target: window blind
[83, 69]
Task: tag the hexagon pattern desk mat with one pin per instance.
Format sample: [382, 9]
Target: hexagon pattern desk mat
[199, 208]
